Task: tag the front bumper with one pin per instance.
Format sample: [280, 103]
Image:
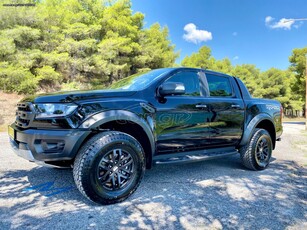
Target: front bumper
[46, 145]
[21, 150]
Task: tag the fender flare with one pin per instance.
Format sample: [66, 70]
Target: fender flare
[101, 118]
[248, 131]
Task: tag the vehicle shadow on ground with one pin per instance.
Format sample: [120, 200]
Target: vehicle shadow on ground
[212, 194]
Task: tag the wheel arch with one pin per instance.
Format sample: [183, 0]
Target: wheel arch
[262, 121]
[127, 122]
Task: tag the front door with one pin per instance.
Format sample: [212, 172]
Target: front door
[182, 122]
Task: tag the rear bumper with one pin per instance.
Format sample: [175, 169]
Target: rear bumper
[46, 145]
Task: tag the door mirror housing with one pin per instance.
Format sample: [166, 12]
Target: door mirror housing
[171, 88]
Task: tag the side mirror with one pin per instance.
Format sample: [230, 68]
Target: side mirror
[171, 88]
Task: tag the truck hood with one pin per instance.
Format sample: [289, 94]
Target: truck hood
[75, 96]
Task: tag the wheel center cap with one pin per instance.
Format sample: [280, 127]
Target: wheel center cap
[115, 169]
[261, 149]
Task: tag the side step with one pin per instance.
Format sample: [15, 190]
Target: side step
[193, 156]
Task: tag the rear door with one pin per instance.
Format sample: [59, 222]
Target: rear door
[227, 109]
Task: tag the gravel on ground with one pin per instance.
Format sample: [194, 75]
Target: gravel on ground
[215, 194]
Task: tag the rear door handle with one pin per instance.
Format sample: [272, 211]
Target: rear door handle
[201, 106]
[235, 106]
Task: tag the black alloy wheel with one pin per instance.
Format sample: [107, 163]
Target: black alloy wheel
[115, 169]
[109, 167]
[256, 155]
[263, 151]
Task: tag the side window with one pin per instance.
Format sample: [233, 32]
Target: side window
[190, 81]
[219, 86]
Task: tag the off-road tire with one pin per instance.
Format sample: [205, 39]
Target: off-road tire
[93, 159]
[260, 146]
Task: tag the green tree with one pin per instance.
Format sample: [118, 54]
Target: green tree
[201, 59]
[77, 43]
[250, 75]
[277, 85]
[223, 66]
[298, 67]
[16, 79]
[47, 78]
[156, 49]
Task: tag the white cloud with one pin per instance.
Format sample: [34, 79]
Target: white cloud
[235, 57]
[268, 20]
[194, 35]
[235, 34]
[283, 23]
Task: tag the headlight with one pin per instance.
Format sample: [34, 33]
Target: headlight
[53, 110]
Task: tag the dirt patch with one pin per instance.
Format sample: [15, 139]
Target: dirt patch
[7, 108]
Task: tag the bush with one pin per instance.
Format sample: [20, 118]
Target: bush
[69, 86]
[17, 79]
[47, 77]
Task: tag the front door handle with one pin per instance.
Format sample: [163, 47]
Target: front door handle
[201, 106]
[235, 106]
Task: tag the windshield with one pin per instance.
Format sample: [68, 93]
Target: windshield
[137, 81]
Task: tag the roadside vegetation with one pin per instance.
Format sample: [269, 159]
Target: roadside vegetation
[89, 44]
[72, 44]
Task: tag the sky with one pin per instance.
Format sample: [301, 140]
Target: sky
[259, 32]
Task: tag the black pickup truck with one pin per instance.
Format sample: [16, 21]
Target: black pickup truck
[164, 116]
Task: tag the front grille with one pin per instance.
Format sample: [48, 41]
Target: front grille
[24, 114]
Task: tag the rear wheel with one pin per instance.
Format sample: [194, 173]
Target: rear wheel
[257, 153]
[109, 167]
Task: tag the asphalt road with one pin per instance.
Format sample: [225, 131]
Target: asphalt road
[216, 194]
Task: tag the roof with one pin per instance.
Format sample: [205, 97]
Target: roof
[199, 69]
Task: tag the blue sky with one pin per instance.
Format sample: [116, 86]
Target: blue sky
[246, 31]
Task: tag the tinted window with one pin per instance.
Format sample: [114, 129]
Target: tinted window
[190, 81]
[219, 86]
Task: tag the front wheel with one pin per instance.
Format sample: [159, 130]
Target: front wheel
[109, 167]
[257, 153]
